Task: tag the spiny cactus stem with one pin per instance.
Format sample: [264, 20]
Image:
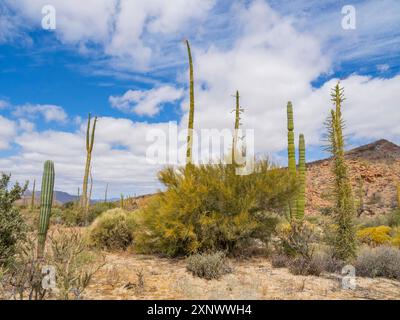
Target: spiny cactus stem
[46, 201]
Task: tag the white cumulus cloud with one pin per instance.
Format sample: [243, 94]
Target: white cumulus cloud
[48, 111]
[146, 102]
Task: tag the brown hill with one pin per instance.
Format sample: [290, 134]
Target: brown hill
[374, 171]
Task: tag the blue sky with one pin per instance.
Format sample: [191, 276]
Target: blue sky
[125, 61]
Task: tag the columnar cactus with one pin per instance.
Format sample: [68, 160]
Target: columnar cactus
[105, 193]
[33, 195]
[121, 201]
[89, 149]
[301, 178]
[291, 153]
[189, 153]
[46, 201]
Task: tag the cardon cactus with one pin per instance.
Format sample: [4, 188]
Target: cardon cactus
[33, 195]
[46, 201]
[189, 155]
[291, 153]
[301, 178]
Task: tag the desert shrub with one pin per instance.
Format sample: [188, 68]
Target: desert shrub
[279, 260]
[381, 261]
[326, 211]
[12, 225]
[23, 277]
[374, 236]
[208, 265]
[394, 218]
[74, 264]
[306, 267]
[113, 229]
[210, 207]
[296, 239]
[374, 221]
[396, 237]
[74, 216]
[98, 208]
[330, 262]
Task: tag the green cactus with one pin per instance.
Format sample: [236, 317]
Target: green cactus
[291, 153]
[189, 154]
[46, 201]
[33, 195]
[89, 149]
[301, 179]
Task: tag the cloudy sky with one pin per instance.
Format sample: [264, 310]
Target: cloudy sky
[125, 61]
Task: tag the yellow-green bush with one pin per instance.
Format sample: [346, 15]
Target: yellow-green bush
[209, 207]
[113, 229]
[396, 237]
[374, 236]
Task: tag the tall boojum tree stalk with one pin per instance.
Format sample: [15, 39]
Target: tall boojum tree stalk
[238, 110]
[89, 149]
[46, 202]
[189, 150]
[344, 211]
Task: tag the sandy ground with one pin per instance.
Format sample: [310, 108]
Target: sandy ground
[132, 276]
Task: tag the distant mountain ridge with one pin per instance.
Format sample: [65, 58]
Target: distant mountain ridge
[374, 170]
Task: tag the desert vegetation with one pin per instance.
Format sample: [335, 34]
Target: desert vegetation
[207, 220]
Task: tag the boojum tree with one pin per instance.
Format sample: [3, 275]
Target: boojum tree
[238, 111]
[89, 149]
[189, 150]
[344, 241]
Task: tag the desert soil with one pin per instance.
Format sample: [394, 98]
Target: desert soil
[251, 279]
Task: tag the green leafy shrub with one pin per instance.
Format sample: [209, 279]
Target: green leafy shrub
[381, 261]
[12, 225]
[209, 207]
[113, 229]
[208, 265]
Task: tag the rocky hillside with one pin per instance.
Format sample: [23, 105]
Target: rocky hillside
[374, 170]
